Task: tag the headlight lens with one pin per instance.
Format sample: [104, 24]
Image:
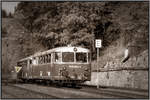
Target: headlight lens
[86, 69]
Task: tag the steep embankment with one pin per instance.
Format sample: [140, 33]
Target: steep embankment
[132, 18]
[17, 43]
[11, 39]
[133, 21]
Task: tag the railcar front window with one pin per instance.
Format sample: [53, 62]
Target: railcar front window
[81, 57]
[68, 57]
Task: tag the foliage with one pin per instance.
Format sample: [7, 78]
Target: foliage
[4, 32]
[79, 23]
[4, 14]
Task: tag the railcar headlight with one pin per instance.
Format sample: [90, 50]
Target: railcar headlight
[86, 69]
[64, 68]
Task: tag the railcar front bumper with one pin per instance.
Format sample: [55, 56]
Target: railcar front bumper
[68, 79]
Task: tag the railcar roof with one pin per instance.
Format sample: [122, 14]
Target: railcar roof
[62, 49]
[59, 49]
[30, 57]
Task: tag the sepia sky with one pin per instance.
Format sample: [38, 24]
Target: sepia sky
[9, 6]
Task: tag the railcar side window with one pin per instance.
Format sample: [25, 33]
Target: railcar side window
[81, 57]
[39, 60]
[57, 57]
[18, 63]
[42, 59]
[68, 57]
[49, 58]
[46, 59]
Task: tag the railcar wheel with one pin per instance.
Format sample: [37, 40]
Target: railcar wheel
[49, 83]
[64, 84]
[24, 80]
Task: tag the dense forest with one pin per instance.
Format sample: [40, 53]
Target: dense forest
[5, 14]
[79, 23]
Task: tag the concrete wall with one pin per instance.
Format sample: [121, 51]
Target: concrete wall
[125, 79]
[131, 74]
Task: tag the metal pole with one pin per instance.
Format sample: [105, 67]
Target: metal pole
[97, 67]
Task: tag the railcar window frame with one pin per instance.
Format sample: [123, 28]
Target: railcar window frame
[30, 61]
[22, 63]
[49, 58]
[45, 59]
[40, 59]
[85, 56]
[68, 61]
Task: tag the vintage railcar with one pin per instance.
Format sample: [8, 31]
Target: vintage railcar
[63, 64]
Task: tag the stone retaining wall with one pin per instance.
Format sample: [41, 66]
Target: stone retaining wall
[124, 79]
[131, 74]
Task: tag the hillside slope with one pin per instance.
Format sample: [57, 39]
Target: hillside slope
[132, 17]
[16, 44]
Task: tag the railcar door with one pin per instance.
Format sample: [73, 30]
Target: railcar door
[45, 68]
[29, 67]
[56, 63]
[26, 69]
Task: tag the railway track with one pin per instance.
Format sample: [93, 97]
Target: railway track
[85, 92]
[112, 92]
[122, 92]
[14, 91]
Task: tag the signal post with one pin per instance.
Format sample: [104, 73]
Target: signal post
[98, 44]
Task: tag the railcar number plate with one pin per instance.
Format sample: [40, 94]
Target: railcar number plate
[72, 66]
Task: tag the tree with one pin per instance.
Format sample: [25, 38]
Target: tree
[4, 14]
[10, 15]
[79, 23]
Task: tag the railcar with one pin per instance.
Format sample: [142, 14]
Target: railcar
[62, 64]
